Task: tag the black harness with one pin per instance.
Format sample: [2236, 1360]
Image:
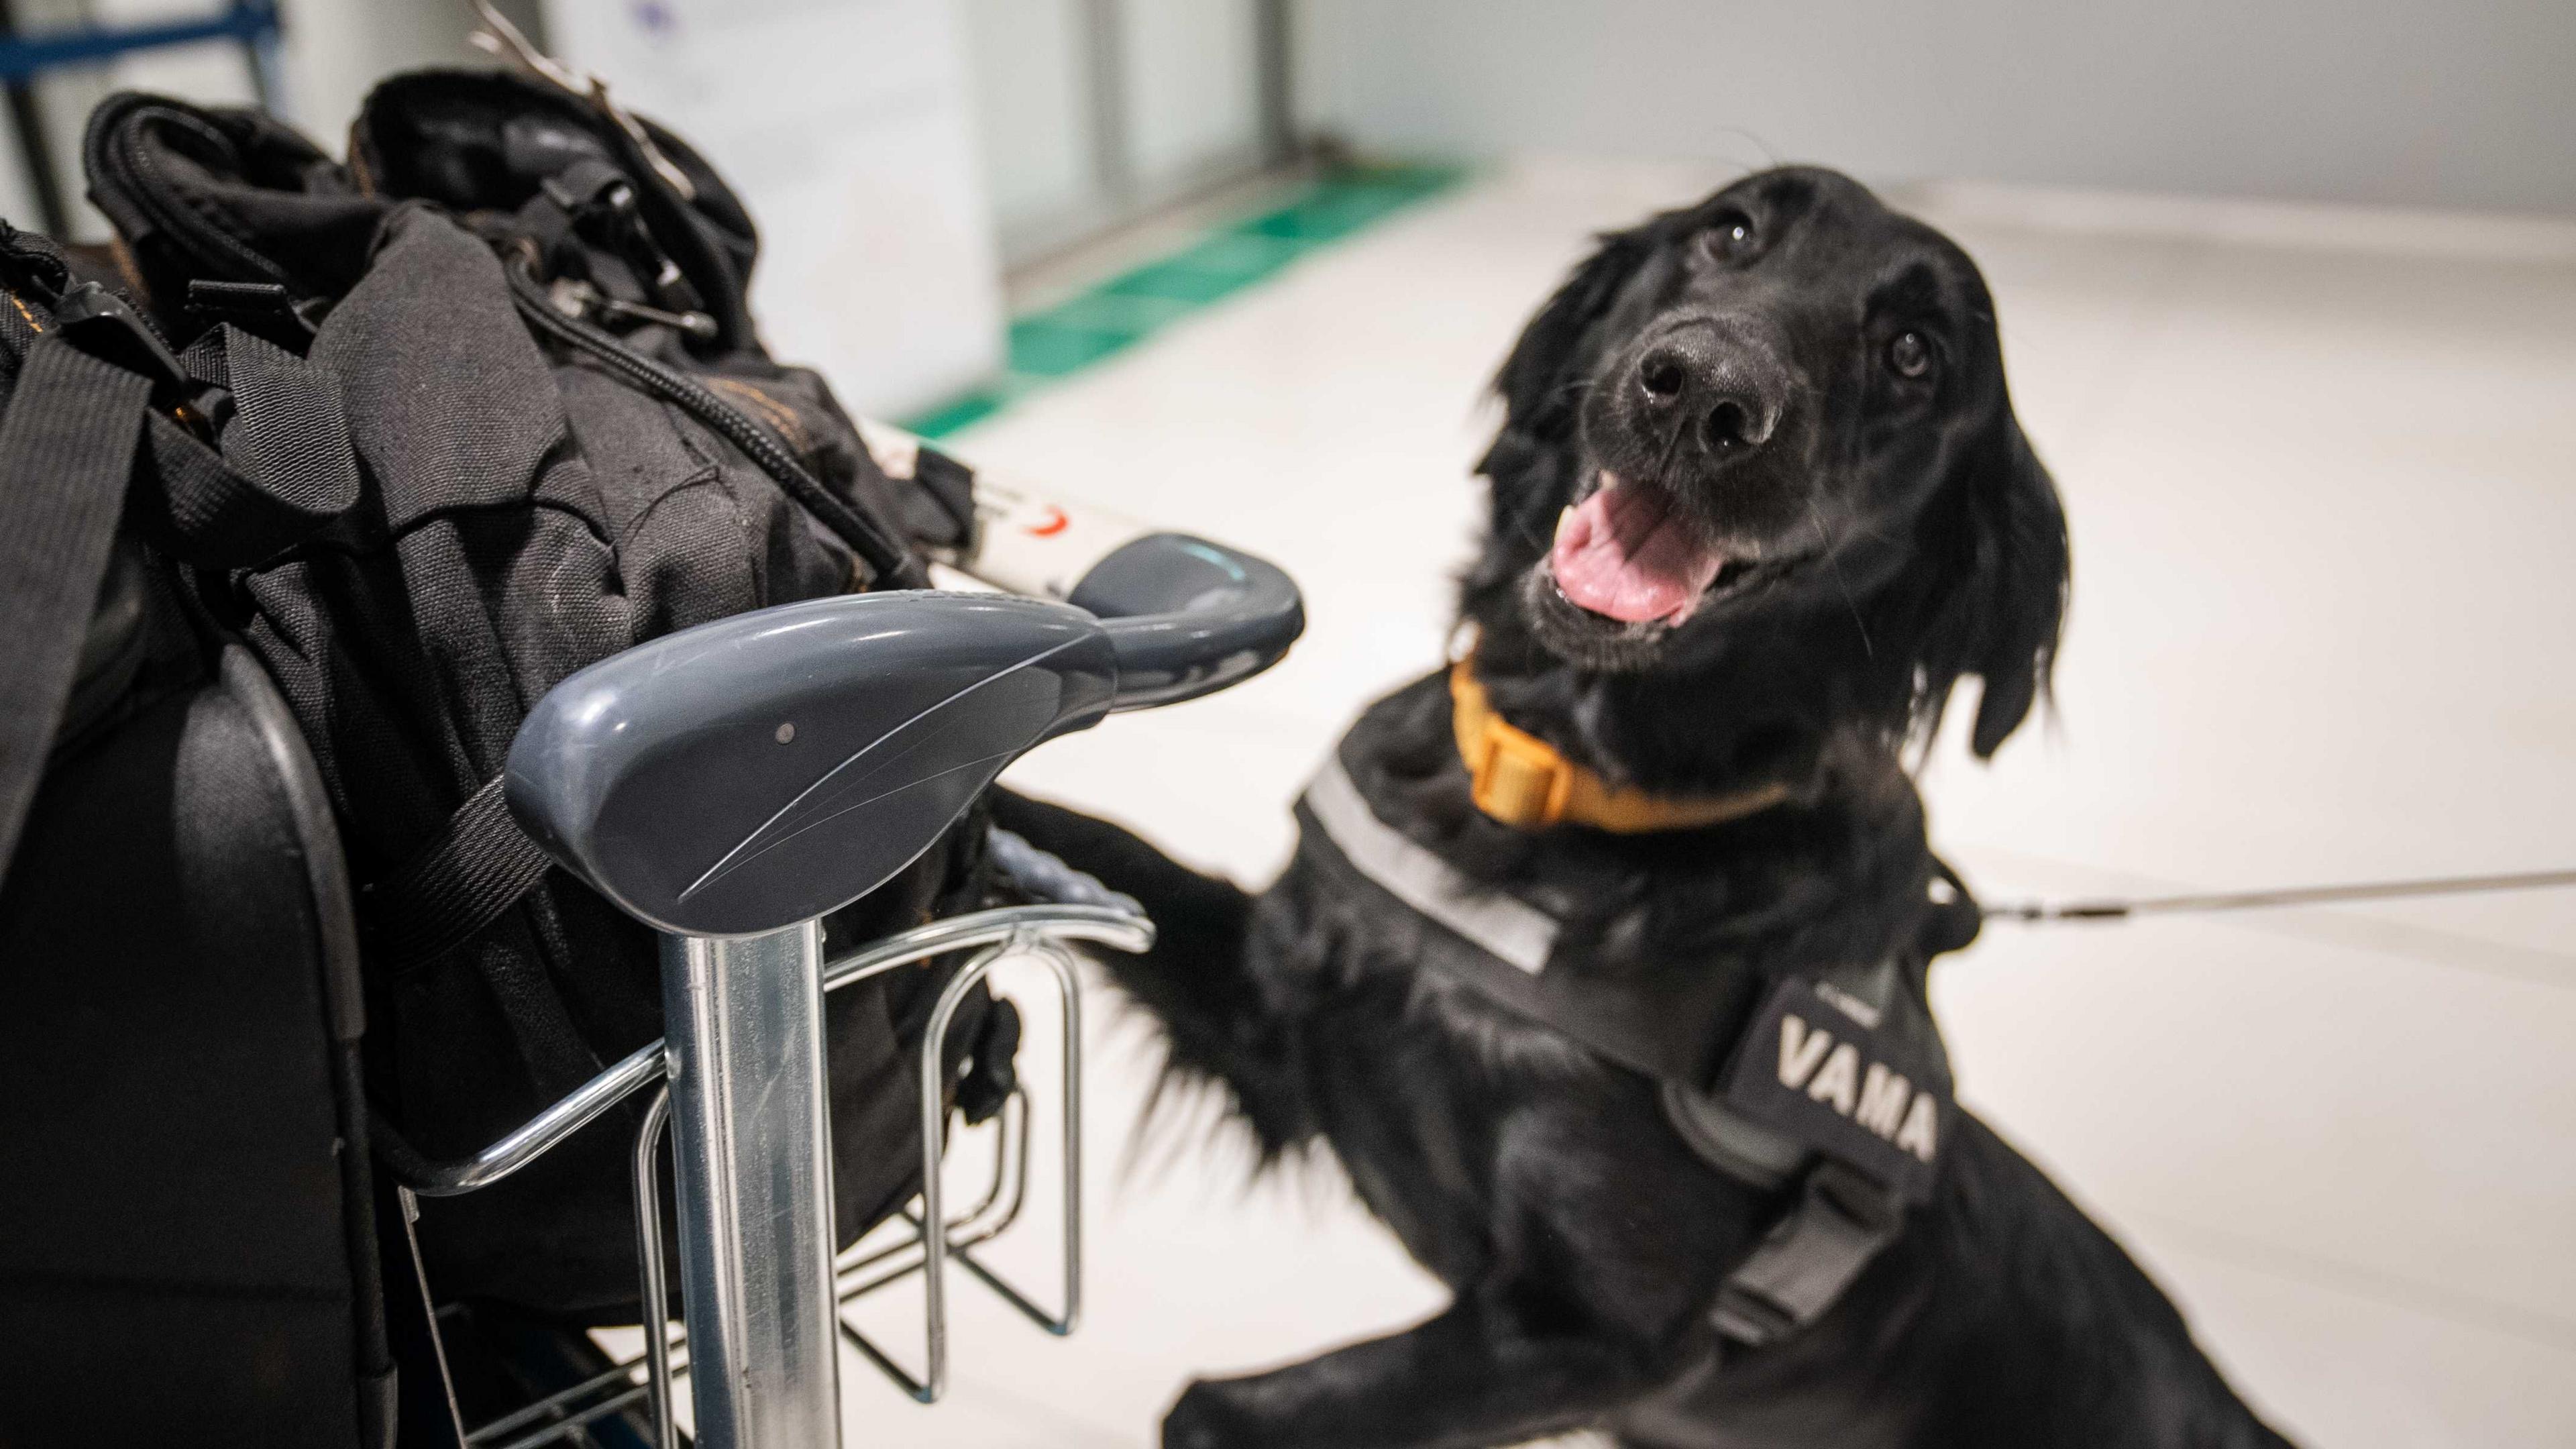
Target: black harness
[1840, 1083]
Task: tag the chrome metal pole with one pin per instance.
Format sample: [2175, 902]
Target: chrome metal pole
[751, 1151]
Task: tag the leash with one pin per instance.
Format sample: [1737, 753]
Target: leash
[2211, 903]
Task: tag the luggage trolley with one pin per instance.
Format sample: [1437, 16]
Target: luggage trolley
[732, 784]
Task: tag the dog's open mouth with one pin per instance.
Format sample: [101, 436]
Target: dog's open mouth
[1625, 552]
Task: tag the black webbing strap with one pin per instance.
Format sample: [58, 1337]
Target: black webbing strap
[477, 867]
[286, 469]
[66, 450]
[1799, 1270]
[949, 486]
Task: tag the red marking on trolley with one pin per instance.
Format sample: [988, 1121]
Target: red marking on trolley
[1055, 523]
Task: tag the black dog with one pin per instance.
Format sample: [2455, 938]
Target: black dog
[1758, 502]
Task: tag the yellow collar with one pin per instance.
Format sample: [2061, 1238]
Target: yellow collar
[1522, 781]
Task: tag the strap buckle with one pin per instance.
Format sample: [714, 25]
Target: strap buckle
[1800, 1269]
[264, 309]
[98, 322]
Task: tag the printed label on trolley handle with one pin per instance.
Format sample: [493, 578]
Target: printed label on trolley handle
[1026, 542]
[1032, 544]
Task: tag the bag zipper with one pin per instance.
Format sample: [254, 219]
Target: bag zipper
[888, 560]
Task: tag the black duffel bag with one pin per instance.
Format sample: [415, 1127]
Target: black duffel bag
[187, 1211]
[419, 436]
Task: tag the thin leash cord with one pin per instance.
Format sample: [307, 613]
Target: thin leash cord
[2112, 909]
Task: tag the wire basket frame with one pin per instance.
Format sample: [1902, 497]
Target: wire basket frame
[1040, 932]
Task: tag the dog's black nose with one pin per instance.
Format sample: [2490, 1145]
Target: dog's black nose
[1722, 394]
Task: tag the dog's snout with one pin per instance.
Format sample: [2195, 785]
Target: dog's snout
[1726, 396]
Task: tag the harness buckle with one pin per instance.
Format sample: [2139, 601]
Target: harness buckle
[1799, 1270]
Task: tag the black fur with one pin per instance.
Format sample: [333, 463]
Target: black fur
[1921, 541]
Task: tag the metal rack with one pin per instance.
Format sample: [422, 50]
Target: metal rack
[1040, 932]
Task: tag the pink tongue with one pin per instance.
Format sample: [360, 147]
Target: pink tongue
[1623, 554]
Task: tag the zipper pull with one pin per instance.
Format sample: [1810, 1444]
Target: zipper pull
[572, 297]
[696, 324]
[580, 300]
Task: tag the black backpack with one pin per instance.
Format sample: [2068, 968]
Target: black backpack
[403, 443]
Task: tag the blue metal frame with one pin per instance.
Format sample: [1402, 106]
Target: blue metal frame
[253, 23]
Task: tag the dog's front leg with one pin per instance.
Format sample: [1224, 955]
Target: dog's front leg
[1474, 1376]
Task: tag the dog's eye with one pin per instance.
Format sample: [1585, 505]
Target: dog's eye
[1909, 354]
[1730, 237]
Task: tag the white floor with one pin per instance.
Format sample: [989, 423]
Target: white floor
[2322, 475]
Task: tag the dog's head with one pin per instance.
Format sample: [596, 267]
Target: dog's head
[1772, 429]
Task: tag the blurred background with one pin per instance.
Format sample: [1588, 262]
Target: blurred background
[2288, 295]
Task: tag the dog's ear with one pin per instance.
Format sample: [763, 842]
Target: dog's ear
[2016, 598]
[1534, 380]
[1528, 461]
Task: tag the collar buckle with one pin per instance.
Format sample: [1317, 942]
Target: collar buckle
[1521, 781]
[1517, 779]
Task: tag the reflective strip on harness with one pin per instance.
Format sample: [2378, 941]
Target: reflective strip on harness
[1509, 929]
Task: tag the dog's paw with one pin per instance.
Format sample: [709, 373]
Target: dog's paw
[1208, 1418]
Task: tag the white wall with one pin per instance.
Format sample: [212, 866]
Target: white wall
[2466, 103]
[336, 51]
[1193, 99]
[1182, 108]
[1029, 68]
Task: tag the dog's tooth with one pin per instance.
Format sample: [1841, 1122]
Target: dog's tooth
[1609, 480]
[1564, 516]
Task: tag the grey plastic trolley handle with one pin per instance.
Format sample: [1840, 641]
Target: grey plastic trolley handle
[1188, 617]
[775, 766]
